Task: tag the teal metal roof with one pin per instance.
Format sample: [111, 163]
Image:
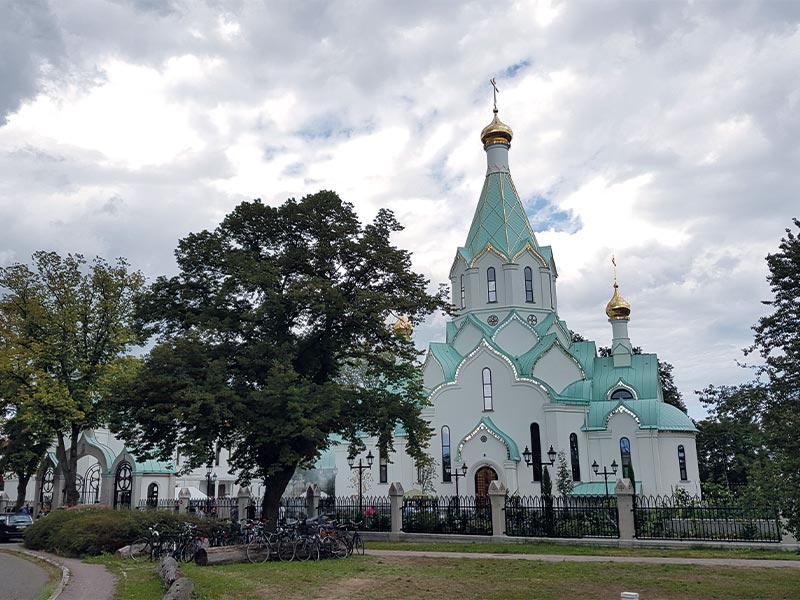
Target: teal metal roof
[651, 414]
[528, 360]
[447, 357]
[598, 488]
[486, 424]
[642, 376]
[152, 466]
[107, 452]
[500, 223]
[585, 353]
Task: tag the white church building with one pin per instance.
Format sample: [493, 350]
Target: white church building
[509, 388]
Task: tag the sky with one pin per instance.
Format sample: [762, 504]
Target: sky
[664, 133]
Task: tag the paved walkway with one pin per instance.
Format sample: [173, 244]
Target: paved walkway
[653, 560]
[86, 582]
[22, 579]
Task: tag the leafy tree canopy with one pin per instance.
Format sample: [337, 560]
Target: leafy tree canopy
[257, 332]
[64, 325]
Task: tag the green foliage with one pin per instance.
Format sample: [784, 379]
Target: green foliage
[64, 323]
[547, 483]
[254, 335]
[93, 531]
[564, 483]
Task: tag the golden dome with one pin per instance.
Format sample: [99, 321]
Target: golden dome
[403, 327]
[496, 132]
[618, 308]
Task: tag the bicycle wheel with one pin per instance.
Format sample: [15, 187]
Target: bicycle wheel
[140, 549]
[302, 548]
[286, 549]
[258, 551]
[358, 545]
[338, 548]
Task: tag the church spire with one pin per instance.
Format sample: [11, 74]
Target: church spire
[618, 312]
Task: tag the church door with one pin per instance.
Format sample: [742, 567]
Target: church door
[483, 477]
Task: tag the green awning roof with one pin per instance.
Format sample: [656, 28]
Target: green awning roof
[598, 488]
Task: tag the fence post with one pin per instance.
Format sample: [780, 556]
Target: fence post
[497, 496]
[313, 496]
[242, 501]
[786, 536]
[627, 527]
[396, 492]
[183, 500]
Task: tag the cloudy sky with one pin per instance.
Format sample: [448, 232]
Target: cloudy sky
[663, 132]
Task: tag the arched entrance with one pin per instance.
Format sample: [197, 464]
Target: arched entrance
[46, 489]
[483, 477]
[123, 484]
[91, 485]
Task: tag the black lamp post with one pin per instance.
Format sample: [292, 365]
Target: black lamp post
[458, 474]
[361, 468]
[528, 456]
[605, 472]
[211, 480]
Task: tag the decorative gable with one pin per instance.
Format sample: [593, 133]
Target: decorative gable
[515, 337]
[557, 368]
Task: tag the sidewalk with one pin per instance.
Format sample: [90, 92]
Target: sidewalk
[653, 560]
[85, 582]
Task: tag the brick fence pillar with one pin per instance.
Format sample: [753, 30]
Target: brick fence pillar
[396, 493]
[183, 501]
[627, 528]
[497, 496]
[313, 495]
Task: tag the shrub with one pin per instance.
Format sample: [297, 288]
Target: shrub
[92, 531]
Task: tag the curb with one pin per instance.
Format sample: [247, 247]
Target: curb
[65, 573]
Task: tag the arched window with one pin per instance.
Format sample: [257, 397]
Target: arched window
[383, 468]
[152, 494]
[621, 394]
[528, 284]
[625, 456]
[574, 457]
[491, 282]
[446, 464]
[536, 452]
[487, 389]
[682, 462]
[463, 293]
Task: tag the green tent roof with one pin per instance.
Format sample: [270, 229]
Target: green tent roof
[651, 414]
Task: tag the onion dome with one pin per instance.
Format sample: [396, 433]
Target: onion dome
[403, 327]
[618, 308]
[496, 132]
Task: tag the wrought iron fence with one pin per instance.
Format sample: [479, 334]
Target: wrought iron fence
[562, 516]
[294, 507]
[159, 504]
[690, 518]
[448, 514]
[373, 512]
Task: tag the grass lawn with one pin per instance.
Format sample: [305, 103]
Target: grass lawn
[544, 548]
[385, 578]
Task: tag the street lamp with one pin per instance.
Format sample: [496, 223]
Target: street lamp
[605, 472]
[458, 474]
[528, 456]
[361, 468]
[211, 480]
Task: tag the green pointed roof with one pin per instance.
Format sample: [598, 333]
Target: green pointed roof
[500, 224]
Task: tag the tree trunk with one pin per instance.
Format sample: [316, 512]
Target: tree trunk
[274, 486]
[68, 465]
[22, 490]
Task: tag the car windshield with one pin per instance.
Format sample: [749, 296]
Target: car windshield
[17, 519]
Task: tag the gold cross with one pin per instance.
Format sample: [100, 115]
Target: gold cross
[494, 86]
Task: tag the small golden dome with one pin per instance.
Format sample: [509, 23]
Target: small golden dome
[403, 327]
[618, 308]
[496, 132]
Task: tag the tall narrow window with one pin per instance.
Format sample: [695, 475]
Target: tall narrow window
[383, 468]
[682, 462]
[574, 457]
[446, 454]
[152, 494]
[625, 456]
[536, 452]
[463, 293]
[528, 284]
[487, 389]
[491, 282]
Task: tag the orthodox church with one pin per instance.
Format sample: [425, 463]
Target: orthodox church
[510, 390]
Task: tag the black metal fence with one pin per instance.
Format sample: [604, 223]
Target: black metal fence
[294, 507]
[448, 514]
[159, 504]
[562, 517]
[690, 518]
[373, 512]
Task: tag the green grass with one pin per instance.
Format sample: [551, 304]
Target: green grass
[576, 550]
[389, 578]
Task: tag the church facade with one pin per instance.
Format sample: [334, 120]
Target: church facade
[509, 389]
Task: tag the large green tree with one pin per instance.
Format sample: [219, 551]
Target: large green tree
[257, 332]
[22, 448]
[777, 341]
[64, 325]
